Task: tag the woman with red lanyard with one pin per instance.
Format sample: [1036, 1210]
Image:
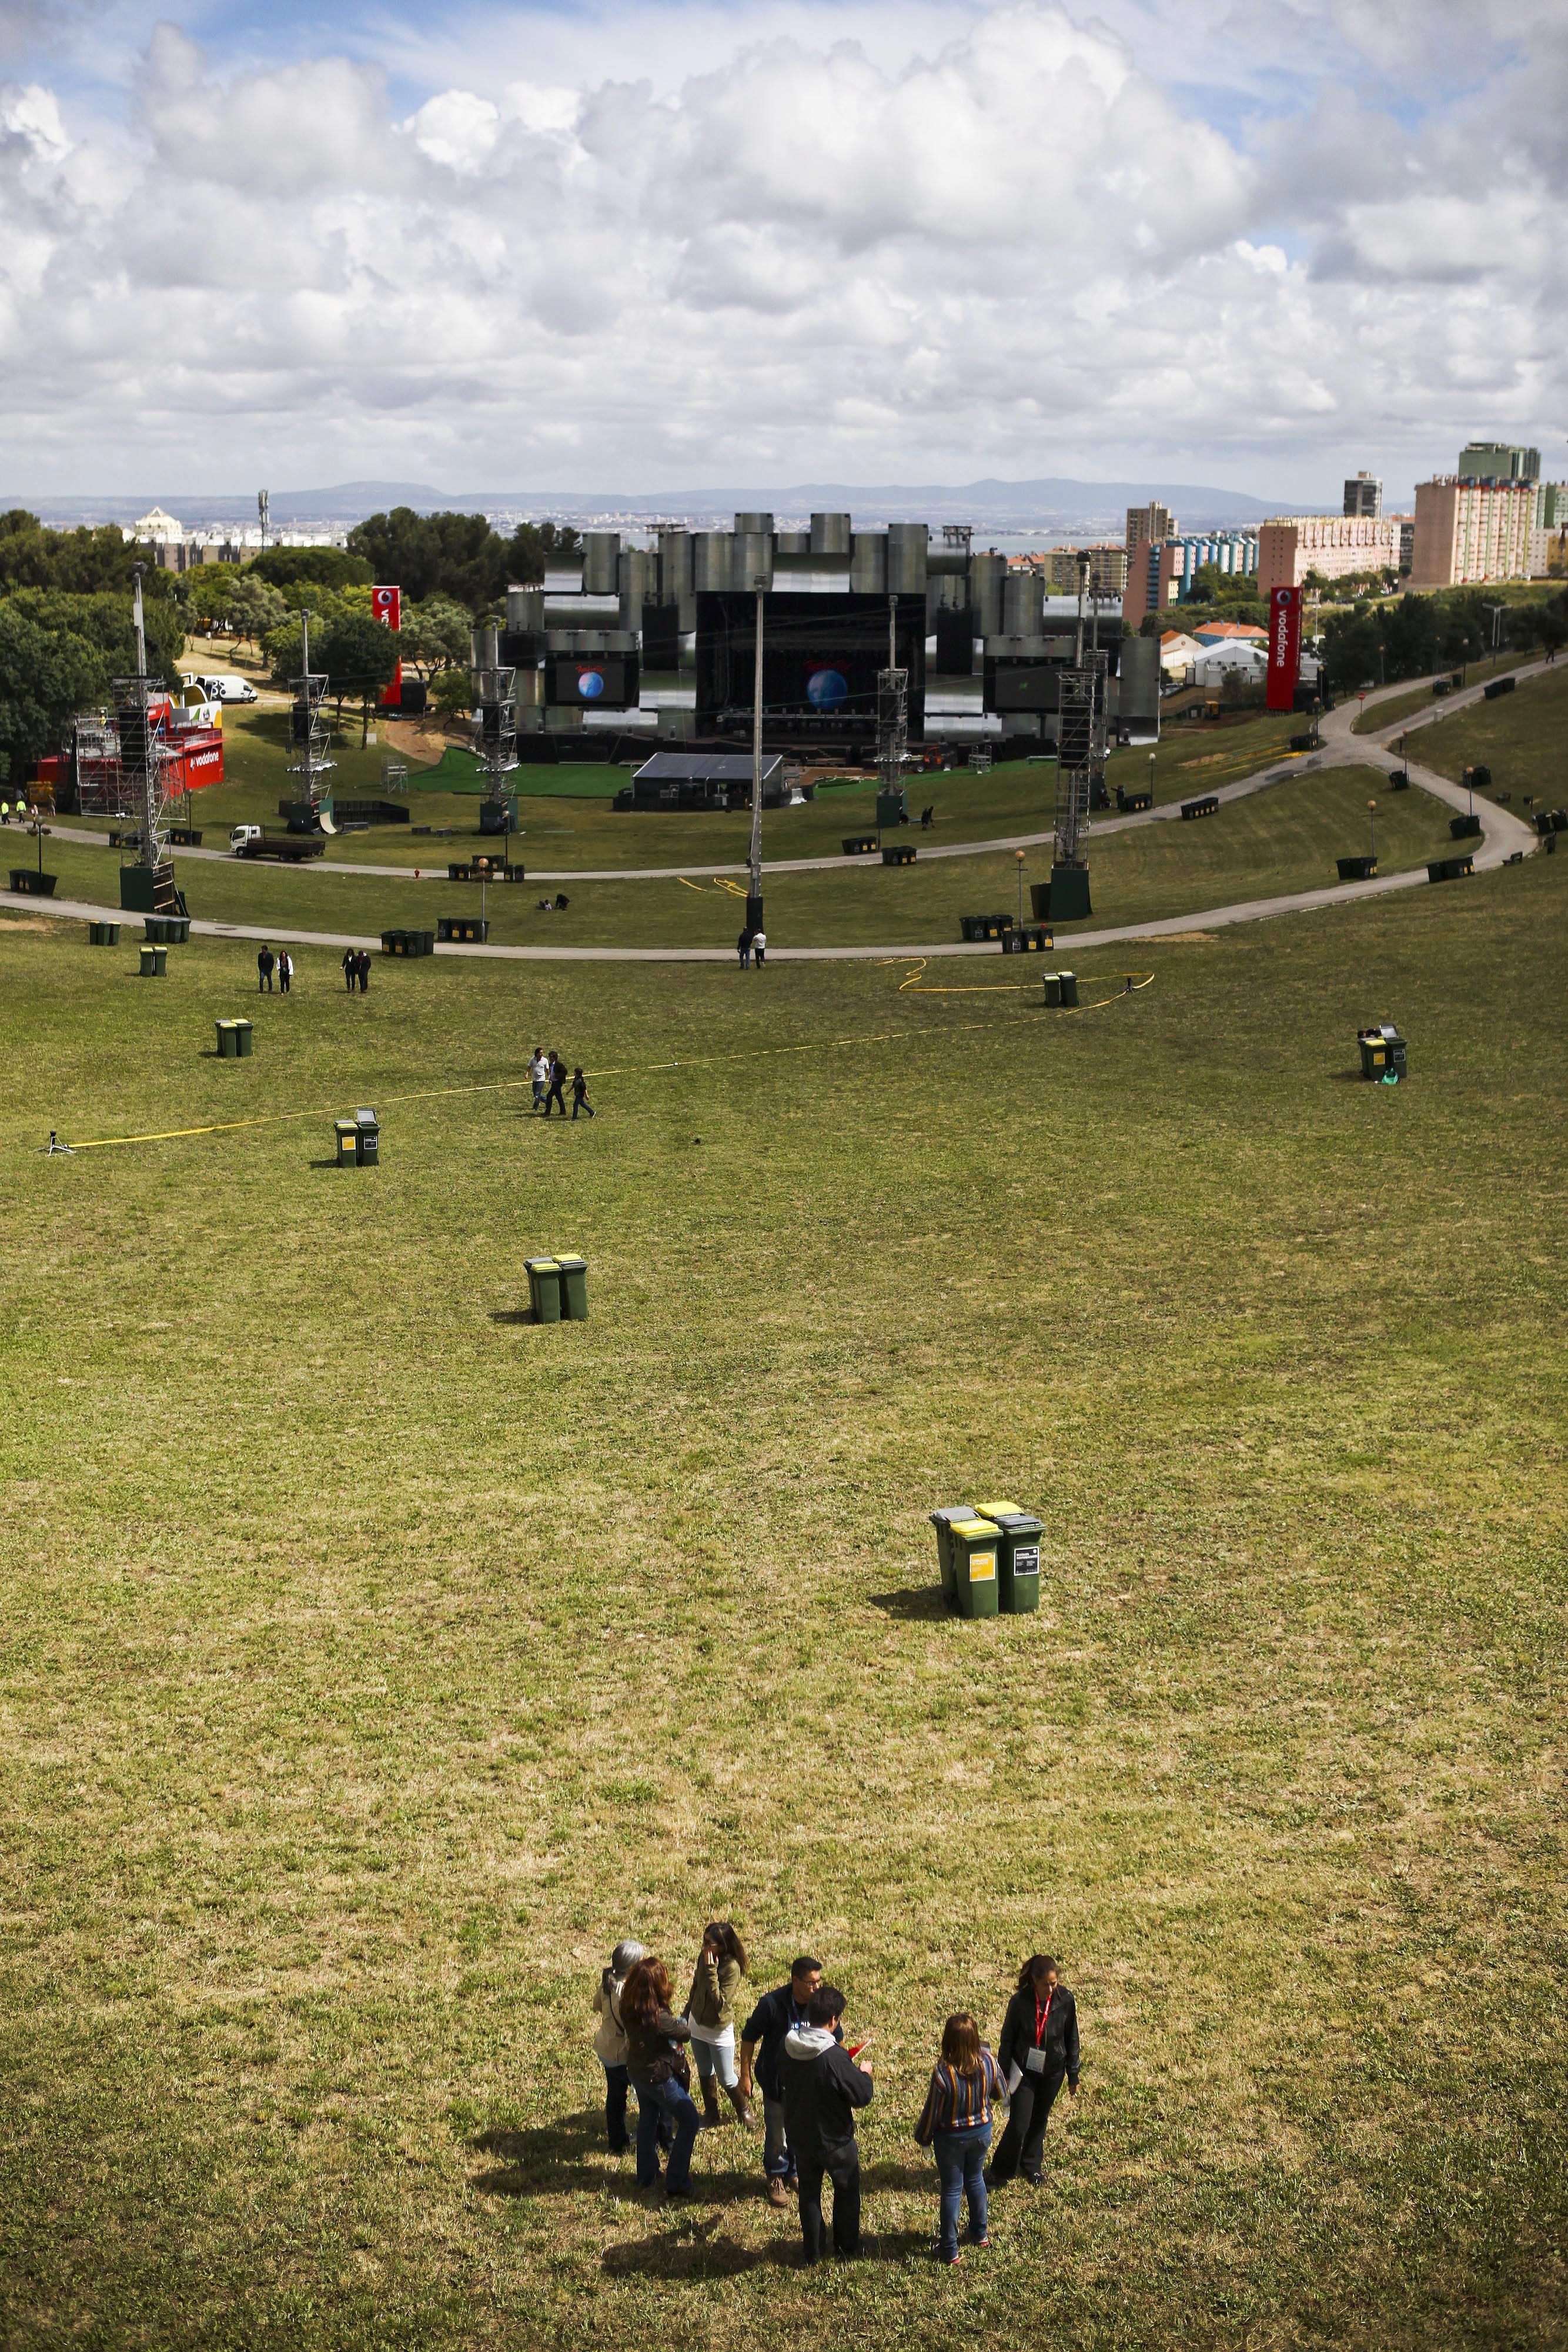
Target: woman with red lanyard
[1039, 2048]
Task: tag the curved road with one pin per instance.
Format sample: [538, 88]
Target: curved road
[1503, 835]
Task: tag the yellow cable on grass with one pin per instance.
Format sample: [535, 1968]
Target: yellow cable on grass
[629, 1069]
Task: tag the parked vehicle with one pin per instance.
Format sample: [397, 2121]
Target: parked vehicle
[253, 841]
[226, 687]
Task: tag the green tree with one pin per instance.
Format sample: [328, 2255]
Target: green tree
[327, 567]
[457, 555]
[451, 693]
[255, 607]
[435, 637]
[82, 562]
[47, 675]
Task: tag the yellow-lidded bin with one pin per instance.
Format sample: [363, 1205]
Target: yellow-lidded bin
[977, 1544]
[544, 1289]
[347, 1142]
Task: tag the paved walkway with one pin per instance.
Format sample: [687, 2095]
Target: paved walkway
[1502, 836]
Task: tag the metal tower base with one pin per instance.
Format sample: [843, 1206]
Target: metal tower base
[1070, 894]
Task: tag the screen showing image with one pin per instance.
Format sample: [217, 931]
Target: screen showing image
[593, 681]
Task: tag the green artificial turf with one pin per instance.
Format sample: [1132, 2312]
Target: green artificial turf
[370, 1659]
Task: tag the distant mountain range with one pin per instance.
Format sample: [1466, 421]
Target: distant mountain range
[1056, 503]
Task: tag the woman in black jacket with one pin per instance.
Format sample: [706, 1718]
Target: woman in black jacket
[1038, 2049]
[658, 2072]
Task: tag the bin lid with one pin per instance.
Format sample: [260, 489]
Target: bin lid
[344, 1125]
[976, 1531]
[573, 1261]
[1067, 976]
[1019, 1523]
[951, 1513]
[542, 1265]
[996, 1511]
[366, 1117]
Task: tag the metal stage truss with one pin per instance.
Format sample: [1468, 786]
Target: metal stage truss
[309, 730]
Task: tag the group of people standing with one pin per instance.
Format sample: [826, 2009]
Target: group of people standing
[752, 947]
[266, 963]
[792, 2048]
[547, 1074]
[357, 970]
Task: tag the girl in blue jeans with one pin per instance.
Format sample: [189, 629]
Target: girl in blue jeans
[956, 2124]
[660, 2071]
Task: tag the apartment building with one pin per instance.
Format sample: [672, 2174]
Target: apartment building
[1470, 529]
[1289, 546]
[1363, 495]
[1149, 526]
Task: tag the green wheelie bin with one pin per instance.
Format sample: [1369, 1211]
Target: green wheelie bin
[348, 1134]
[943, 1522]
[544, 1289]
[976, 1544]
[573, 1287]
[1018, 1565]
[228, 1045]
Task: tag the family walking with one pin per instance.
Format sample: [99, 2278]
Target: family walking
[792, 2048]
[547, 1076]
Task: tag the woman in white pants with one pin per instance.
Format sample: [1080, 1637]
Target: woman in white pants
[720, 1965]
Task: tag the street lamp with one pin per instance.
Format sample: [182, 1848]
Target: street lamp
[754, 863]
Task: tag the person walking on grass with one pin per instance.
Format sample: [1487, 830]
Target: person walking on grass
[284, 971]
[611, 2046]
[362, 965]
[556, 1082]
[955, 2125]
[350, 969]
[264, 966]
[822, 2087]
[758, 946]
[579, 1094]
[1037, 2053]
[715, 1981]
[539, 1076]
[743, 947]
[761, 2054]
[660, 2073]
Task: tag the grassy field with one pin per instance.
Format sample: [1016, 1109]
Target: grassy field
[566, 820]
[1286, 838]
[1521, 738]
[1379, 715]
[369, 1659]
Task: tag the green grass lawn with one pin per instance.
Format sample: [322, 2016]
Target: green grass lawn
[1522, 738]
[1286, 838]
[1379, 715]
[371, 1660]
[566, 820]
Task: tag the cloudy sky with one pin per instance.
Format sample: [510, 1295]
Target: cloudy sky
[659, 244]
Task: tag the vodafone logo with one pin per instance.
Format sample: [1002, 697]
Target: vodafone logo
[386, 606]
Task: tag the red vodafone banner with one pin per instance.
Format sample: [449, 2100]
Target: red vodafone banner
[386, 606]
[1284, 647]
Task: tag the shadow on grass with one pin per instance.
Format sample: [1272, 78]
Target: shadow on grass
[703, 2253]
[922, 1600]
[513, 1315]
[1341, 1077]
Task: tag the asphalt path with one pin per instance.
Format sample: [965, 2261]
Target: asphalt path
[1503, 837]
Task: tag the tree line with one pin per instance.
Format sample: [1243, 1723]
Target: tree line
[65, 628]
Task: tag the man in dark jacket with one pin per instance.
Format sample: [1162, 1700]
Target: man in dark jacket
[1038, 2051]
[762, 2036]
[822, 2087]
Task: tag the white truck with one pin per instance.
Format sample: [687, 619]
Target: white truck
[226, 687]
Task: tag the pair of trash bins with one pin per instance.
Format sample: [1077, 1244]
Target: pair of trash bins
[558, 1289]
[1062, 989]
[359, 1141]
[989, 1558]
[237, 1041]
